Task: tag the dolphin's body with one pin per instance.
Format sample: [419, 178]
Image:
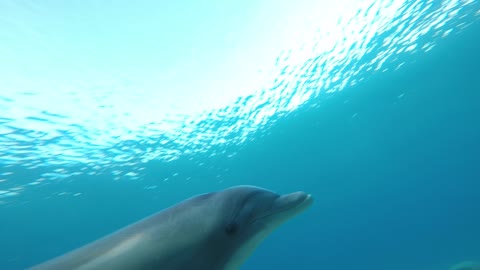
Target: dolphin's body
[213, 231]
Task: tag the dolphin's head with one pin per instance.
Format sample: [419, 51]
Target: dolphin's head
[244, 216]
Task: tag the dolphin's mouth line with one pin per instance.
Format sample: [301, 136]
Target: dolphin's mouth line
[281, 210]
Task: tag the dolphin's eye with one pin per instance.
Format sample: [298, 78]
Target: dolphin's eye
[231, 228]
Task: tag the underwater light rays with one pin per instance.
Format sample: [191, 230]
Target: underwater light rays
[111, 120]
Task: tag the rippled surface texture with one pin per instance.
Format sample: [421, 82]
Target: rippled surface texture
[109, 88]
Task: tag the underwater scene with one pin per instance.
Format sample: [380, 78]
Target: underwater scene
[352, 128]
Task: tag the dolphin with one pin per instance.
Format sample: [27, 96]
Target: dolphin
[212, 231]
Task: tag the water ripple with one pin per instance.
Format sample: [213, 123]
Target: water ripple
[117, 125]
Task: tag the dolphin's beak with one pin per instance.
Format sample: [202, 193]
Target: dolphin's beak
[285, 207]
[294, 202]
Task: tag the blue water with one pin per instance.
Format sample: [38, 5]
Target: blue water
[375, 112]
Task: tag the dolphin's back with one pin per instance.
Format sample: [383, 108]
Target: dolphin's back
[100, 254]
[128, 248]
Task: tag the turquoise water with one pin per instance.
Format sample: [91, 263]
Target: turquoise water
[109, 113]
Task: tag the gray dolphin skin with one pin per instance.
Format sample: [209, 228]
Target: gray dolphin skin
[213, 231]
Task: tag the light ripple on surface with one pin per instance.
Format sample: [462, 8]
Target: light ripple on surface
[117, 123]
